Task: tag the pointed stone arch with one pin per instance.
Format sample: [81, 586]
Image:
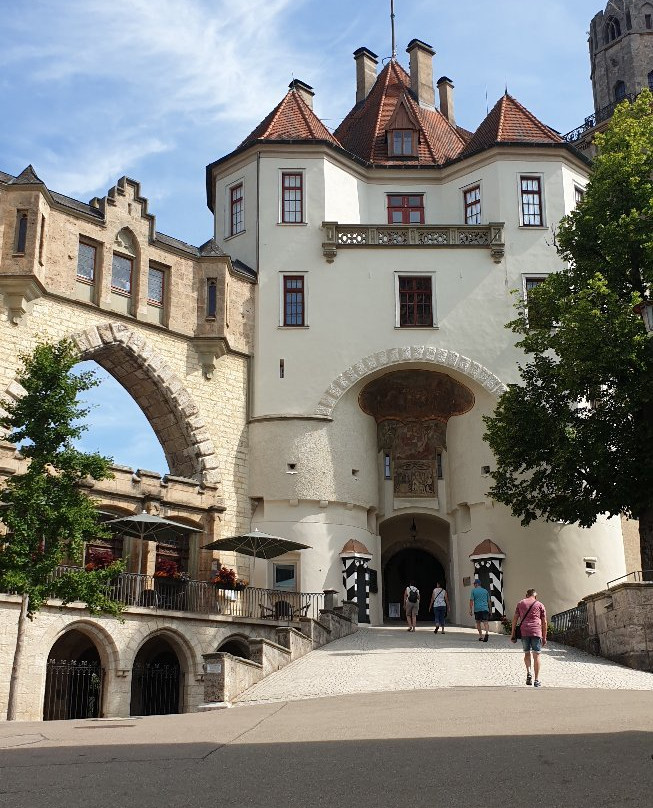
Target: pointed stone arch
[158, 391]
[427, 354]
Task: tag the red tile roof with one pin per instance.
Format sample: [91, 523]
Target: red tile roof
[510, 122]
[363, 131]
[292, 119]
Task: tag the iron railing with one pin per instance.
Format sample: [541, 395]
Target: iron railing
[202, 597]
[72, 690]
[596, 118]
[570, 620]
[636, 577]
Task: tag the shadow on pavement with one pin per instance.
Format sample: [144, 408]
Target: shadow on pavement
[578, 770]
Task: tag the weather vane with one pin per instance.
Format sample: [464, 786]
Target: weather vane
[392, 25]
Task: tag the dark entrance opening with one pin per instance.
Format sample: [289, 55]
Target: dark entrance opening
[157, 680]
[74, 679]
[406, 565]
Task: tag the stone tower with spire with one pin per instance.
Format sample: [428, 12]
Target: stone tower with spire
[621, 52]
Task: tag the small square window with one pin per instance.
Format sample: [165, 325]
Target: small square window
[472, 197]
[86, 258]
[155, 282]
[285, 577]
[406, 209]
[121, 275]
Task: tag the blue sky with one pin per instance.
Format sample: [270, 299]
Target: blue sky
[157, 89]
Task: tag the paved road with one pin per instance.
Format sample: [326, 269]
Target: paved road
[383, 659]
[451, 745]
[455, 747]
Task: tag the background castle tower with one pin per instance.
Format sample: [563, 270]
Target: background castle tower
[621, 52]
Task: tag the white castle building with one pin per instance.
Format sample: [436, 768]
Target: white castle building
[386, 254]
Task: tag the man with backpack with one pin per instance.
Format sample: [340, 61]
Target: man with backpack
[411, 605]
[529, 625]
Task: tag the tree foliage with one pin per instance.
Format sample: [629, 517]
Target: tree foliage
[46, 511]
[574, 439]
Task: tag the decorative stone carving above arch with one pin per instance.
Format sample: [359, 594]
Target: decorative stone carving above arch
[125, 242]
[158, 391]
[428, 354]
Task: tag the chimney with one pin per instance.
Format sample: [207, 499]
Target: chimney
[305, 90]
[421, 72]
[445, 88]
[366, 63]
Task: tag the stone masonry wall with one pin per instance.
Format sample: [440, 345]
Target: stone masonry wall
[191, 636]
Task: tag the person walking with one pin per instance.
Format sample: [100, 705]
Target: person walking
[411, 604]
[439, 603]
[479, 603]
[530, 616]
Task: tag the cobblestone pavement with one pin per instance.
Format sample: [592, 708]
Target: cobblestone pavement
[391, 658]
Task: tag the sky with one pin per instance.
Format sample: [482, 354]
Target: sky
[92, 90]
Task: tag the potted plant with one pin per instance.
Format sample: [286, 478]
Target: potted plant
[225, 578]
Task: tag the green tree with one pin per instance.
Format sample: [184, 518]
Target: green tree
[574, 439]
[46, 512]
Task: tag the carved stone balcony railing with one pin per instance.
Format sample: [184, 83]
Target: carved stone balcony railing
[345, 236]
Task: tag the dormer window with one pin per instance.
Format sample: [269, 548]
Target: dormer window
[402, 142]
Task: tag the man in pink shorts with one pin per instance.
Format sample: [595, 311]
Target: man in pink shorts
[530, 615]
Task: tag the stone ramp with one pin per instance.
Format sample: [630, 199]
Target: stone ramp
[382, 659]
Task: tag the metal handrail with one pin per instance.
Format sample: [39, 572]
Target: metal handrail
[596, 118]
[570, 620]
[203, 597]
[638, 576]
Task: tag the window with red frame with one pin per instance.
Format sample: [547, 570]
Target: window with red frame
[406, 209]
[237, 210]
[531, 201]
[293, 300]
[473, 205]
[402, 142]
[415, 302]
[292, 203]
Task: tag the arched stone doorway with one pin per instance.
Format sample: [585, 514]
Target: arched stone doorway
[411, 564]
[157, 679]
[74, 680]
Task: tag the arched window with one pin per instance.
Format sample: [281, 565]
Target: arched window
[612, 29]
[619, 91]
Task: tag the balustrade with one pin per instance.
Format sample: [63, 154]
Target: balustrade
[345, 236]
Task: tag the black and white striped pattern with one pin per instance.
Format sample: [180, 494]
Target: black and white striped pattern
[351, 565]
[490, 570]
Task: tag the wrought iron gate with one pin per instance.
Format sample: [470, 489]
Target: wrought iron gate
[73, 690]
[155, 688]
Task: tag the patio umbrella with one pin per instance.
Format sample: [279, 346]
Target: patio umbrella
[148, 527]
[257, 544]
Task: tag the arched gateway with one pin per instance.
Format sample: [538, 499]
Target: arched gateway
[158, 391]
